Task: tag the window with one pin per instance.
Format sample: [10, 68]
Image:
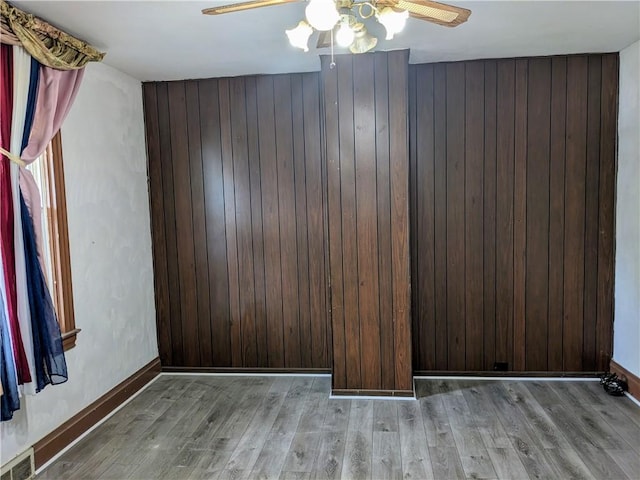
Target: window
[49, 175]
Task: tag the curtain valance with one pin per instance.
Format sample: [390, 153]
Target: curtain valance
[47, 44]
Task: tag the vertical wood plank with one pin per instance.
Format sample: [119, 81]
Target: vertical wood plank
[349, 219]
[416, 326]
[399, 154]
[537, 205]
[320, 321]
[606, 215]
[589, 354]
[300, 179]
[440, 214]
[473, 215]
[215, 220]
[504, 212]
[556, 212]
[253, 151]
[199, 224]
[156, 198]
[243, 223]
[385, 302]
[228, 175]
[455, 215]
[334, 215]
[183, 224]
[575, 212]
[287, 211]
[271, 218]
[424, 280]
[520, 214]
[164, 124]
[489, 282]
[367, 220]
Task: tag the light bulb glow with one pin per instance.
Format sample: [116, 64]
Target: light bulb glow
[299, 36]
[322, 14]
[393, 21]
[345, 35]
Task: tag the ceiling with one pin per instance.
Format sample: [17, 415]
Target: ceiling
[171, 40]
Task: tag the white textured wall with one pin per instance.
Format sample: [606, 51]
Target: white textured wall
[111, 263]
[626, 335]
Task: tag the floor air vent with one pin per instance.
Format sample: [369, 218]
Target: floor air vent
[20, 468]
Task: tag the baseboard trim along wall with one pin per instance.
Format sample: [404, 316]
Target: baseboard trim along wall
[362, 393]
[56, 441]
[248, 371]
[509, 373]
[632, 380]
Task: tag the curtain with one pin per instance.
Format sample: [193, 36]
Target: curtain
[6, 217]
[40, 98]
[21, 80]
[45, 43]
[42, 68]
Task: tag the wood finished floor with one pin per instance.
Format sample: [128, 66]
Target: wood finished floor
[287, 427]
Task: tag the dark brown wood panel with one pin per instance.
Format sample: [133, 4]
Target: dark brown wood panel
[556, 212]
[440, 216]
[169, 225]
[215, 225]
[574, 203]
[473, 214]
[334, 221]
[606, 211]
[367, 219]
[455, 173]
[257, 196]
[368, 172]
[183, 223]
[513, 168]
[520, 213]
[489, 214]
[238, 222]
[384, 220]
[504, 214]
[399, 205]
[199, 220]
[156, 202]
[537, 205]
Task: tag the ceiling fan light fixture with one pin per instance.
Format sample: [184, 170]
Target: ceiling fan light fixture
[363, 41]
[322, 14]
[345, 34]
[392, 20]
[299, 36]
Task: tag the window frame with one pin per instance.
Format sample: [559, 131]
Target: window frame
[62, 294]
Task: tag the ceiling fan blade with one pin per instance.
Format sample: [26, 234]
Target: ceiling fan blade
[435, 12]
[238, 7]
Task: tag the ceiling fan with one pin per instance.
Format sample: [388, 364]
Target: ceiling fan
[343, 19]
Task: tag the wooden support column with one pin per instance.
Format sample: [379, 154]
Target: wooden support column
[366, 133]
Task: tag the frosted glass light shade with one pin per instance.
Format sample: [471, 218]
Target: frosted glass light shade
[299, 36]
[345, 35]
[322, 14]
[393, 21]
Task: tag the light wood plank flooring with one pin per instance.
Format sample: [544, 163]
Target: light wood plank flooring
[205, 427]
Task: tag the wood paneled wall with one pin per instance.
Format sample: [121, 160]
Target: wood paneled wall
[365, 102]
[238, 222]
[512, 202]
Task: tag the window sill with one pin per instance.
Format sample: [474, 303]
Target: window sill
[69, 339]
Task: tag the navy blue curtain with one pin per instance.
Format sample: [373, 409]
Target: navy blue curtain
[48, 351]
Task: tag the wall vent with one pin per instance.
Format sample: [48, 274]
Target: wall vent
[21, 467]
[501, 366]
